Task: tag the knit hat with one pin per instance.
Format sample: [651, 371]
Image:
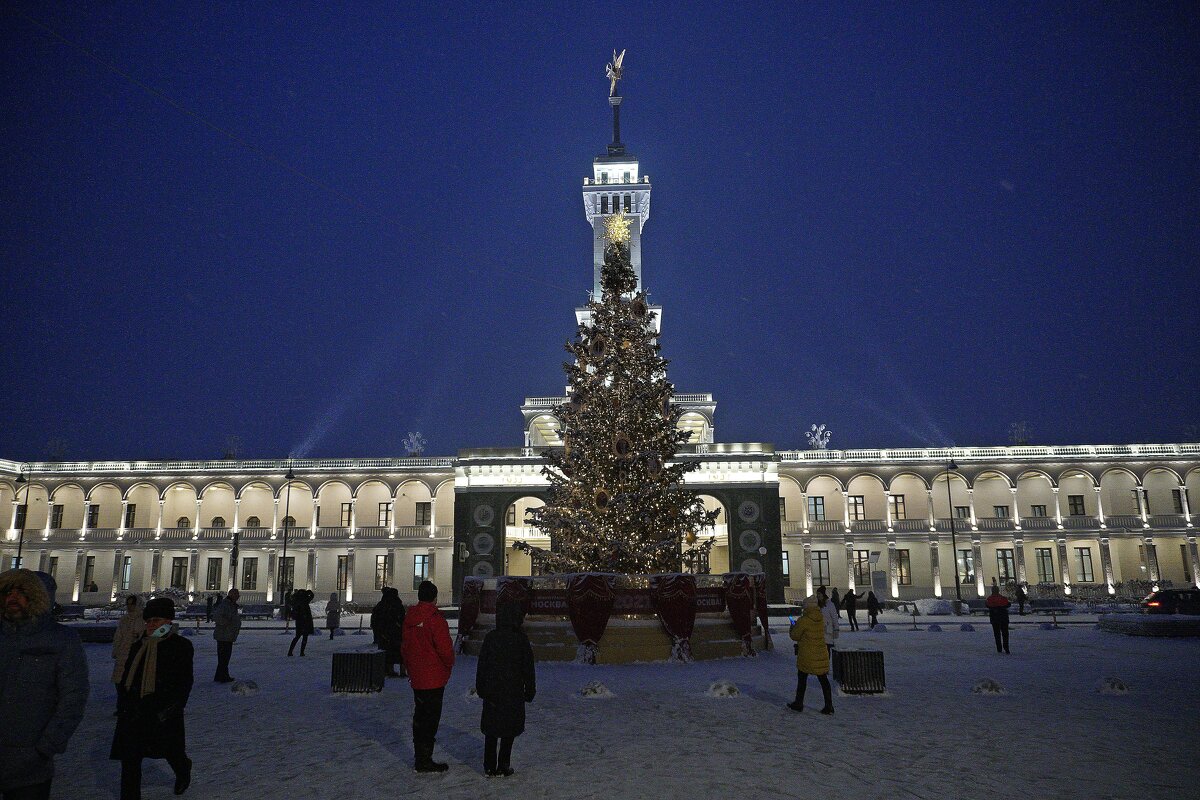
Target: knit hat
[159, 607]
[810, 602]
[427, 592]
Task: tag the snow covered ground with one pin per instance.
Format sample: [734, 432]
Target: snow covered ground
[1051, 734]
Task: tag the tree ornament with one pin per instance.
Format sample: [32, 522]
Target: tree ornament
[625, 344]
[601, 500]
[622, 446]
[639, 309]
[691, 537]
[654, 466]
[598, 346]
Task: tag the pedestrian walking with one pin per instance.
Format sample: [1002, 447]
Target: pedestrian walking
[429, 657]
[333, 614]
[43, 684]
[830, 616]
[837, 602]
[208, 606]
[150, 701]
[302, 614]
[505, 680]
[1022, 599]
[387, 625]
[808, 632]
[130, 628]
[997, 606]
[227, 624]
[873, 609]
[850, 602]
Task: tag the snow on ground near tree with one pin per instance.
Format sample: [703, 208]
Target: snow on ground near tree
[661, 735]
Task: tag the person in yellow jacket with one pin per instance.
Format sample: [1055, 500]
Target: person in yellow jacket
[812, 658]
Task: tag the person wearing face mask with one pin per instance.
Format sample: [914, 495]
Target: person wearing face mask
[153, 692]
[43, 685]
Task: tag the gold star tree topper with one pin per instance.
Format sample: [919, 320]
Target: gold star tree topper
[616, 228]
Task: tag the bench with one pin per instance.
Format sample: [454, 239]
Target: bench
[258, 611]
[73, 611]
[976, 605]
[192, 611]
[1048, 606]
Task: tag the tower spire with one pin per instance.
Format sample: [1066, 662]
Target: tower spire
[614, 71]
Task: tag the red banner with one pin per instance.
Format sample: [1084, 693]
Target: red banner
[510, 589]
[675, 600]
[739, 598]
[589, 602]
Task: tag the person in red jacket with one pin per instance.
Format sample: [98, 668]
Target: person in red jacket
[997, 606]
[429, 656]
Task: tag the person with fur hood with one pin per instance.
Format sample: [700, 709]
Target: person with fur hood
[129, 629]
[505, 680]
[808, 632]
[43, 684]
[153, 692]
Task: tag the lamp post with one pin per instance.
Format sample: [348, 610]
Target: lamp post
[953, 538]
[287, 524]
[25, 517]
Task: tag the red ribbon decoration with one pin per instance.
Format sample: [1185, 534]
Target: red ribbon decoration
[675, 601]
[739, 599]
[589, 602]
[512, 589]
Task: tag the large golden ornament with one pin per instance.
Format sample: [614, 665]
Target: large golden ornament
[616, 227]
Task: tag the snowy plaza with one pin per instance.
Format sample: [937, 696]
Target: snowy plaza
[1052, 733]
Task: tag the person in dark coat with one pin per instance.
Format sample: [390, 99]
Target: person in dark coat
[997, 606]
[302, 614]
[387, 625]
[505, 681]
[873, 609]
[850, 601]
[1022, 599]
[208, 604]
[837, 602]
[150, 701]
[227, 624]
[43, 684]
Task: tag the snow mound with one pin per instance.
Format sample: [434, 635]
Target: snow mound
[987, 686]
[186, 632]
[879, 628]
[471, 694]
[595, 690]
[1048, 626]
[935, 628]
[723, 688]
[932, 607]
[966, 626]
[338, 632]
[244, 688]
[1112, 686]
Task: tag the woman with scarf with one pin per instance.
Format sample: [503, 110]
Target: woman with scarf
[151, 697]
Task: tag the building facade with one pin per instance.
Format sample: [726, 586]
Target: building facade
[909, 523]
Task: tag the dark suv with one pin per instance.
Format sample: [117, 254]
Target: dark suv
[1173, 601]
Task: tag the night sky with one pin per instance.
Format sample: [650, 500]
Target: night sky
[319, 227]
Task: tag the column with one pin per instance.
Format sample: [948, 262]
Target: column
[312, 526]
[1016, 510]
[1019, 555]
[272, 576]
[971, 507]
[389, 573]
[158, 524]
[932, 518]
[193, 564]
[392, 522]
[350, 570]
[1099, 507]
[432, 516]
[12, 526]
[196, 527]
[977, 554]
[77, 583]
[1057, 507]
[50, 513]
[808, 578]
[118, 557]
[1106, 564]
[1144, 502]
[893, 568]
[155, 566]
[43, 560]
[87, 513]
[1183, 500]
[803, 524]
[850, 565]
[124, 509]
[935, 566]
[846, 511]
[275, 519]
[311, 570]
[887, 508]
[1195, 554]
[1151, 558]
[353, 518]
[237, 508]
[1064, 566]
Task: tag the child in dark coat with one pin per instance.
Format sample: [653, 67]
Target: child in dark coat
[873, 608]
[505, 681]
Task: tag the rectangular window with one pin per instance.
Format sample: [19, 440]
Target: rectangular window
[126, 572]
[787, 570]
[510, 516]
[1000, 512]
[820, 562]
[1075, 504]
[317, 521]
[385, 515]
[22, 513]
[782, 510]
[604, 198]
[1037, 511]
[1177, 500]
[626, 177]
[93, 515]
[212, 579]
[897, 503]
[89, 573]
[425, 513]
[249, 574]
[816, 509]
[1044, 557]
[347, 512]
[1006, 565]
[179, 566]
[1083, 565]
[962, 512]
[1140, 498]
[53, 566]
[862, 567]
[966, 566]
[130, 515]
[1185, 559]
[858, 507]
[604, 178]
[628, 199]
[56, 515]
[380, 572]
[287, 574]
[420, 570]
[904, 567]
[343, 573]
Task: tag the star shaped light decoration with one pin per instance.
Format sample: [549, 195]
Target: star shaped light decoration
[616, 228]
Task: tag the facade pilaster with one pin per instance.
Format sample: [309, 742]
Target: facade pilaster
[977, 554]
[77, 583]
[350, 574]
[196, 527]
[1016, 510]
[50, 513]
[1064, 567]
[1183, 502]
[124, 516]
[193, 565]
[935, 566]
[155, 568]
[1151, 558]
[1100, 508]
[850, 564]
[1057, 507]
[1195, 554]
[272, 576]
[310, 575]
[1106, 565]
[118, 558]
[1019, 555]
[389, 572]
[893, 568]
[887, 506]
[932, 518]
[158, 523]
[808, 576]
[83, 529]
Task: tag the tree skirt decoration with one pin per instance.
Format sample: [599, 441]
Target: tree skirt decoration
[739, 599]
[675, 601]
[468, 610]
[760, 606]
[510, 589]
[589, 602]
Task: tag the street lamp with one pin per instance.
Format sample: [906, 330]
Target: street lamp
[287, 524]
[953, 538]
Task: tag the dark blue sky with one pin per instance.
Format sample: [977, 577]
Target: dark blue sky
[334, 225]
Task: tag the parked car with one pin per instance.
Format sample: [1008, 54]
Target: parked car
[1173, 601]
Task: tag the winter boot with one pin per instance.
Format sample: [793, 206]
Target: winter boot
[183, 778]
[424, 760]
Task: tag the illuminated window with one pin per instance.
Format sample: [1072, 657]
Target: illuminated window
[126, 572]
[130, 515]
[1037, 511]
[1044, 557]
[897, 503]
[820, 563]
[1083, 565]
[904, 567]
[862, 567]
[424, 513]
[385, 516]
[343, 572]
[420, 570]
[287, 574]
[816, 508]
[249, 574]
[380, 572]
[966, 566]
[179, 566]
[212, 581]
[1006, 568]
[1000, 512]
[858, 507]
[56, 515]
[347, 512]
[787, 570]
[1075, 504]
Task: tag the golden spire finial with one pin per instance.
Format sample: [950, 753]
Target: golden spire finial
[616, 228]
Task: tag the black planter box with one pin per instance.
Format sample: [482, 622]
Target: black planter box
[859, 671]
[357, 672]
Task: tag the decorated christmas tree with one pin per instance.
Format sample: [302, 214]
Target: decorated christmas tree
[617, 502]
